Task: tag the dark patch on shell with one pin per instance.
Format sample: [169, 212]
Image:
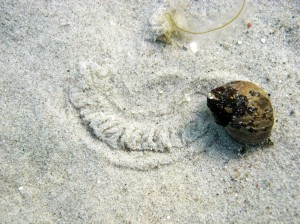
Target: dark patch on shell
[254, 93]
[226, 103]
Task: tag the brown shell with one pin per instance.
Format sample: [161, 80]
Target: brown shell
[244, 109]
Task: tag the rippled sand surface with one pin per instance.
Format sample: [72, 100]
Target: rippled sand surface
[100, 123]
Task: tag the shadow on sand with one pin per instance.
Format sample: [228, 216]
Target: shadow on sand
[208, 137]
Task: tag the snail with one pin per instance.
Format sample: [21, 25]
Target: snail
[244, 109]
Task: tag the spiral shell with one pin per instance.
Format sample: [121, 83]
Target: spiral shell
[244, 109]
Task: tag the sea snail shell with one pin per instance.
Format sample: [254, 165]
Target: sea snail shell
[244, 109]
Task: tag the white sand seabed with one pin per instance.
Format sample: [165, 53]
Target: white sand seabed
[101, 124]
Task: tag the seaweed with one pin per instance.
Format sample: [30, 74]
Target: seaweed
[168, 15]
[174, 28]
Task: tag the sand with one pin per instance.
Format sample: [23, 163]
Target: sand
[101, 124]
